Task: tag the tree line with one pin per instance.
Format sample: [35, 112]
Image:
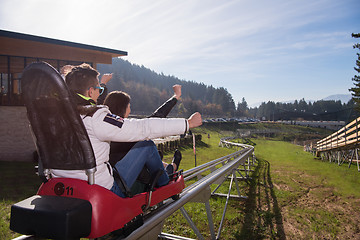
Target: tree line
[322, 110]
[148, 90]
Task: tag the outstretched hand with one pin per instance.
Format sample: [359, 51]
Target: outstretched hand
[106, 78]
[177, 91]
[195, 120]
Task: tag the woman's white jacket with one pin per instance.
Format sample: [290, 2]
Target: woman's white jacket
[104, 127]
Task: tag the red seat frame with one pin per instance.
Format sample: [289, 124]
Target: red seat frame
[109, 211]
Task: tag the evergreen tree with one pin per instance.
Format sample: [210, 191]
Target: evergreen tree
[303, 107]
[242, 108]
[356, 79]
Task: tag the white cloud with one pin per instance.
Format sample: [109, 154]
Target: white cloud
[244, 41]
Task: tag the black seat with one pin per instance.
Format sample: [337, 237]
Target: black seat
[60, 134]
[62, 143]
[52, 217]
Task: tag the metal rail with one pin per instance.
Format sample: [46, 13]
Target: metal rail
[199, 192]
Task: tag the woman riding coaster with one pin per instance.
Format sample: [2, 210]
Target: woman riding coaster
[119, 104]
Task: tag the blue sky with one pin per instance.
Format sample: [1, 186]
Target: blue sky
[262, 50]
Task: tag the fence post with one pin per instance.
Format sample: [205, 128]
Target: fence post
[357, 130]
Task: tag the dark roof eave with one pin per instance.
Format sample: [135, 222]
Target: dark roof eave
[28, 37]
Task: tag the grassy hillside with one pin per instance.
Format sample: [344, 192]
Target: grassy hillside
[316, 199]
[291, 194]
[278, 131]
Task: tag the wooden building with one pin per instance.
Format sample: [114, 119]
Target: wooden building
[17, 50]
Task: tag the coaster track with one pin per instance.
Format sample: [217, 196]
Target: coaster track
[220, 170]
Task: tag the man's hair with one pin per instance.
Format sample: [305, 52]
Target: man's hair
[81, 78]
[117, 101]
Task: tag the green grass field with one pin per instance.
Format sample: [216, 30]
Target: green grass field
[291, 194]
[317, 199]
[17, 182]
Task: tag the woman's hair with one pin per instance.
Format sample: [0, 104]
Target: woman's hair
[117, 101]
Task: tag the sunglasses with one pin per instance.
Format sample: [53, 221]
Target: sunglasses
[101, 89]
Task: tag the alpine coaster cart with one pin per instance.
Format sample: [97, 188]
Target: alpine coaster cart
[66, 208]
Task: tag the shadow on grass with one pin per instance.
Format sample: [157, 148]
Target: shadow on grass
[202, 144]
[18, 180]
[263, 219]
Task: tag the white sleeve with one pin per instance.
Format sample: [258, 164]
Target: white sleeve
[109, 128]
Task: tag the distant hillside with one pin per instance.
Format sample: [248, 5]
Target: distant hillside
[149, 89]
[344, 98]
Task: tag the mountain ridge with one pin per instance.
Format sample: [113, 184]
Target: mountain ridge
[344, 98]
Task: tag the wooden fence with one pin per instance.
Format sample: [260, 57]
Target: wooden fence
[342, 146]
[346, 137]
[178, 143]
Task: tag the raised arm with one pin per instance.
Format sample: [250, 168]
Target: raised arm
[103, 81]
[109, 127]
[177, 91]
[106, 78]
[165, 109]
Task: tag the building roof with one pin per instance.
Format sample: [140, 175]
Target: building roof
[25, 45]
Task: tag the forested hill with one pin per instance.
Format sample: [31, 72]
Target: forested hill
[149, 89]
